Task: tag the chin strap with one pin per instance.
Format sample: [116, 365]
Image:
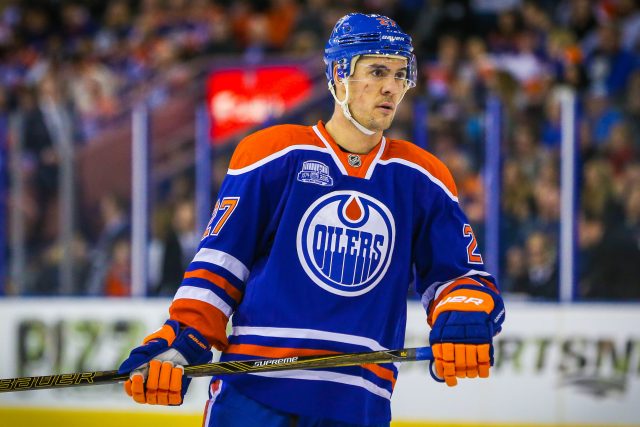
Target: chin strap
[345, 107]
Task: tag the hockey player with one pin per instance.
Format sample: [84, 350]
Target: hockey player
[312, 245]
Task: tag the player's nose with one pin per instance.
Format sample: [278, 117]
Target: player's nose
[391, 86]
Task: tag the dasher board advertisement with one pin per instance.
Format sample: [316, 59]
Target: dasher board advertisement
[561, 364]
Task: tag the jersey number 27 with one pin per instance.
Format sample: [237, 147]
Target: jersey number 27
[221, 213]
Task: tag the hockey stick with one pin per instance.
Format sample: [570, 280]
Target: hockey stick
[223, 368]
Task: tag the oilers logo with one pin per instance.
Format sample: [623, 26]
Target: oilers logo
[345, 241]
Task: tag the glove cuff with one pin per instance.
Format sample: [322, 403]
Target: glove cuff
[470, 298]
[465, 300]
[193, 346]
[167, 332]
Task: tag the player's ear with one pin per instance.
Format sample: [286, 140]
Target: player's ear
[338, 82]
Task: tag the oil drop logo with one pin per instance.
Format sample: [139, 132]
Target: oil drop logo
[345, 242]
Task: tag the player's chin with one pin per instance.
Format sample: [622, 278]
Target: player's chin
[384, 123]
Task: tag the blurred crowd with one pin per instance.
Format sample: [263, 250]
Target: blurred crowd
[84, 62]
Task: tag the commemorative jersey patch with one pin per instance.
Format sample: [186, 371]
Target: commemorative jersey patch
[315, 172]
[345, 242]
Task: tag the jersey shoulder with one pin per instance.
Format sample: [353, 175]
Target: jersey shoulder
[272, 141]
[410, 155]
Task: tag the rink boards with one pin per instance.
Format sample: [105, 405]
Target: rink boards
[555, 365]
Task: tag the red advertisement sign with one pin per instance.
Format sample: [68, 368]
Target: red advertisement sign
[239, 99]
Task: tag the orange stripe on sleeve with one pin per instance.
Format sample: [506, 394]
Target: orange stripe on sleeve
[280, 352]
[217, 280]
[203, 317]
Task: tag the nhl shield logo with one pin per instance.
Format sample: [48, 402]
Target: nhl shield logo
[345, 242]
[354, 160]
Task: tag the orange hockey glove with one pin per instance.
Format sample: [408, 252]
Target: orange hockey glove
[156, 367]
[463, 326]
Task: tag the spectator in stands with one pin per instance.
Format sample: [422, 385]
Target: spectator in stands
[281, 18]
[220, 39]
[42, 157]
[525, 150]
[523, 62]
[565, 58]
[176, 247]
[615, 269]
[602, 114]
[117, 282]
[628, 14]
[442, 71]
[580, 18]
[541, 278]
[547, 208]
[619, 147]
[632, 108]
[97, 60]
[609, 65]
[515, 269]
[115, 228]
[470, 188]
[503, 38]
[47, 127]
[309, 31]
[116, 27]
[551, 126]
[439, 17]
[597, 194]
[592, 253]
[517, 204]
[43, 272]
[93, 87]
[536, 18]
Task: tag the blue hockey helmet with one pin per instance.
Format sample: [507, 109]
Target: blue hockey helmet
[358, 34]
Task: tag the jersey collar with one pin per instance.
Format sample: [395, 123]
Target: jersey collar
[368, 161]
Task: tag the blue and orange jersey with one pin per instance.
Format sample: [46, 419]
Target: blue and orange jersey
[311, 250]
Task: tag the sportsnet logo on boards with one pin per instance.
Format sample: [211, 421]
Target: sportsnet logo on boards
[345, 241]
[315, 172]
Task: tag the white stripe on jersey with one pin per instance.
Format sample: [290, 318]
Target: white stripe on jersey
[422, 170]
[224, 260]
[333, 154]
[214, 395]
[308, 334]
[274, 156]
[334, 377]
[383, 144]
[204, 295]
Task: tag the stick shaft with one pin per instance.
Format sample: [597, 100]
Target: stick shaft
[223, 368]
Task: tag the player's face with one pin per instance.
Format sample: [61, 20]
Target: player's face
[376, 87]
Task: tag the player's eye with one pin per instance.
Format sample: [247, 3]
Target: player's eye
[377, 72]
[402, 75]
